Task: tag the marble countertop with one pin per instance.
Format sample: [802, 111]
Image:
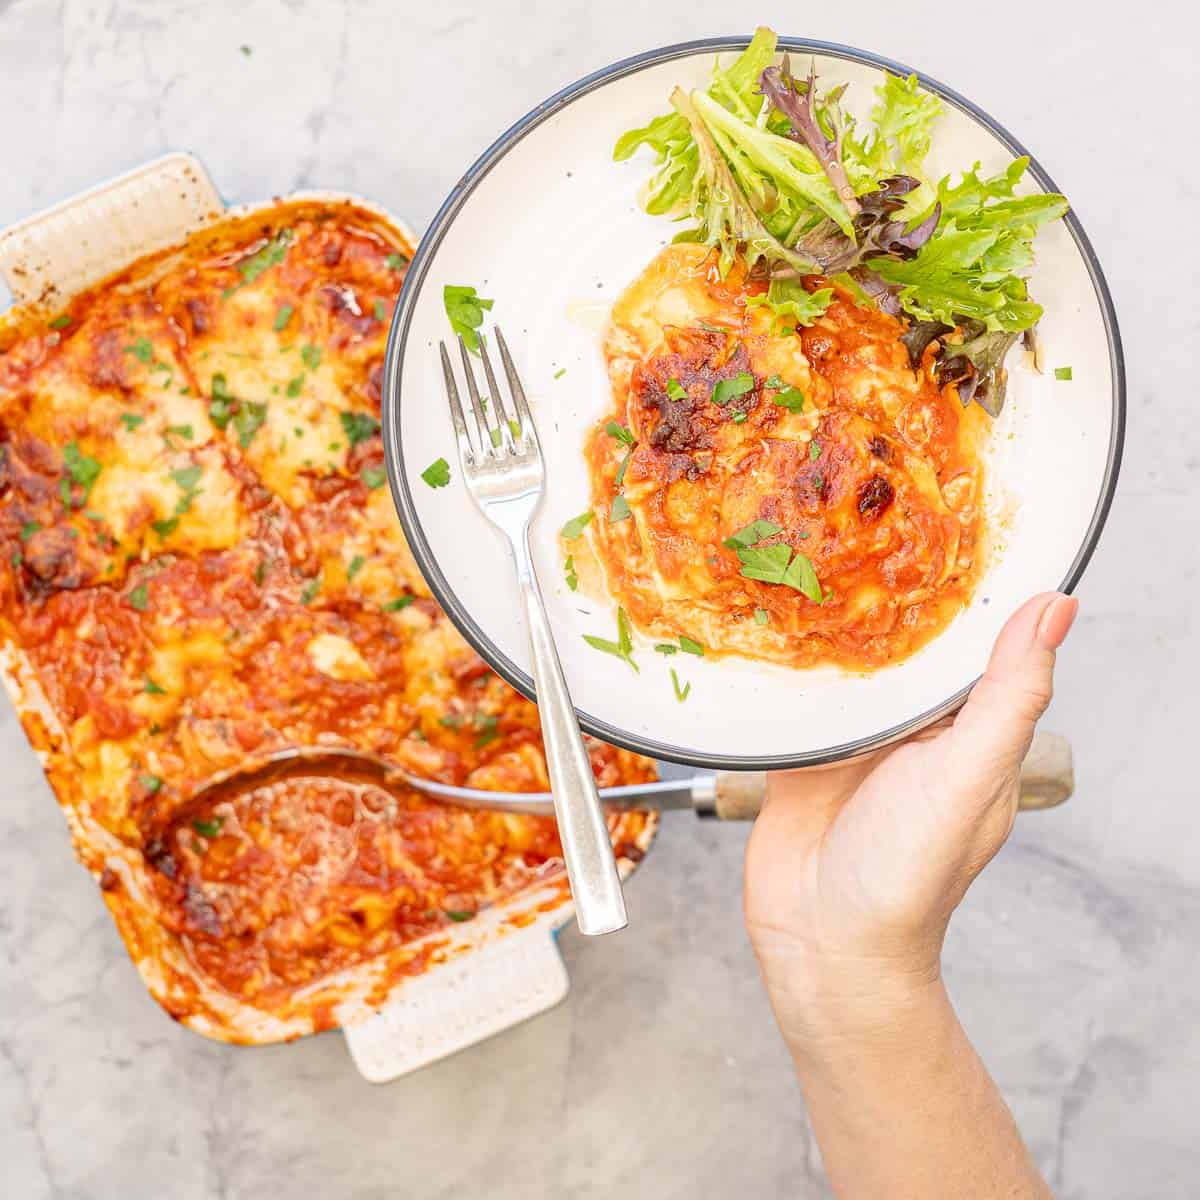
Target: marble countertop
[1075, 961]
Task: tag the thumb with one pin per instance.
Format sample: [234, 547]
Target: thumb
[992, 732]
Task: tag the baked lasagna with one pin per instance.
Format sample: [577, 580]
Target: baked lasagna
[201, 566]
[800, 495]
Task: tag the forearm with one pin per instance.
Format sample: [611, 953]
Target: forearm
[903, 1107]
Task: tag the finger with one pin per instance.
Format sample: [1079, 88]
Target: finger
[995, 726]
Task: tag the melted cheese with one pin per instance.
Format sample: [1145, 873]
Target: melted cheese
[200, 568]
[852, 479]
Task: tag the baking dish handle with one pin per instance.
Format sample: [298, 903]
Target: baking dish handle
[49, 257]
[481, 992]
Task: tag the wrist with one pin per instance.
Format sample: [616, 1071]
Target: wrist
[829, 1004]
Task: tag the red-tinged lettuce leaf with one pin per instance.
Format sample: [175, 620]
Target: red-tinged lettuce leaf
[797, 102]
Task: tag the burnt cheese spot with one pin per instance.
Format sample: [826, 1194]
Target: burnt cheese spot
[880, 447]
[875, 496]
[698, 362]
[52, 555]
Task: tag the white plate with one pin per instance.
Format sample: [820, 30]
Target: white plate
[547, 225]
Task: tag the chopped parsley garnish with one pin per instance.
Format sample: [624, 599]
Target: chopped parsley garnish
[15, 558]
[756, 531]
[622, 648]
[60, 322]
[623, 435]
[131, 420]
[28, 530]
[310, 356]
[465, 310]
[283, 316]
[739, 418]
[396, 261]
[437, 474]
[260, 572]
[791, 398]
[208, 829]
[761, 616]
[375, 477]
[397, 604]
[681, 694]
[151, 783]
[713, 328]
[814, 450]
[220, 411]
[1063, 373]
[248, 420]
[356, 564]
[619, 510]
[730, 389]
[141, 349]
[187, 478]
[666, 648]
[776, 564]
[560, 372]
[139, 597]
[676, 390]
[454, 914]
[271, 255]
[183, 431]
[82, 469]
[380, 311]
[487, 725]
[688, 646]
[94, 516]
[576, 525]
[309, 591]
[151, 688]
[295, 385]
[164, 529]
[358, 426]
[569, 572]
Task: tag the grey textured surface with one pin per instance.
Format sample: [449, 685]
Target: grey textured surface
[1075, 961]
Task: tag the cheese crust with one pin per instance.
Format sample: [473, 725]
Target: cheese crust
[201, 565]
[824, 435]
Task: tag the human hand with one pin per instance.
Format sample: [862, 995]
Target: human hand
[853, 871]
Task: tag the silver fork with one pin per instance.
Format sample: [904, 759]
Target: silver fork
[501, 461]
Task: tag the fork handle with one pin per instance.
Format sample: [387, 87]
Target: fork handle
[582, 829]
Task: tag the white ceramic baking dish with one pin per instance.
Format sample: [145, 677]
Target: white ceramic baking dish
[489, 973]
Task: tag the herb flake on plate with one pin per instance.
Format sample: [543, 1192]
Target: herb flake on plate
[437, 474]
[622, 648]
[465, 309]
[576, 525]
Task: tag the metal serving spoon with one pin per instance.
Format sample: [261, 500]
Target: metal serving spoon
[1047, 780]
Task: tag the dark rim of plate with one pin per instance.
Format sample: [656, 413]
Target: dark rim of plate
[402, 318]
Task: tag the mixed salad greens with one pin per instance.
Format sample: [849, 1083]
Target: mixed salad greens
[780, 174]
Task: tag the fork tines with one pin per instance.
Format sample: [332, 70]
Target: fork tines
[493, 433]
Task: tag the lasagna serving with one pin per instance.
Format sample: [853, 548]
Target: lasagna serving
[794, 494]
[202, 565]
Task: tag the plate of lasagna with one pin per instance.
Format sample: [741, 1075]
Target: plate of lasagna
[827, 379]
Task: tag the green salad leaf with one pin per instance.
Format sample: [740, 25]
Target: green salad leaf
[780, 176]
[792, 303]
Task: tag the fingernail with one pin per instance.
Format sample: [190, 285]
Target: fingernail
[1056, 621]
